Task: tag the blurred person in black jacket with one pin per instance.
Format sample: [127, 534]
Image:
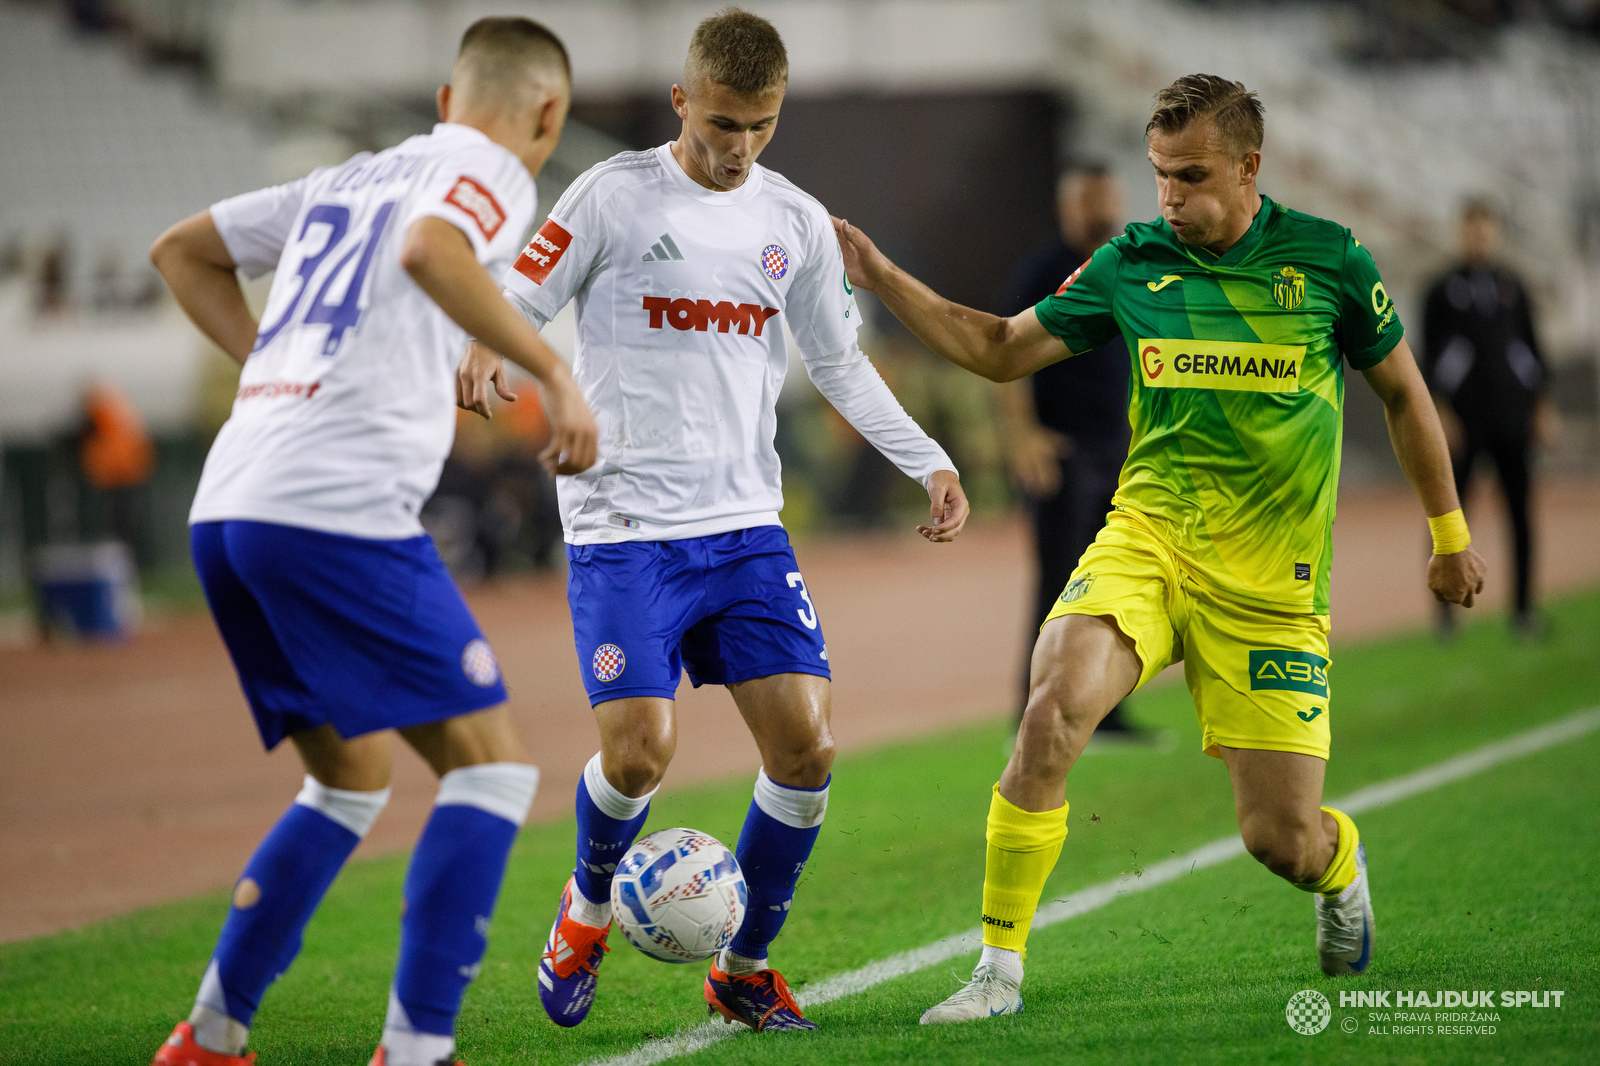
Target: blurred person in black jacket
[1482, 361]
[1065, 429]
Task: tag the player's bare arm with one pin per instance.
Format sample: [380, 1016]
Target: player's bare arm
[1000, 349]
[1419, 444]
[195, 262]
[439, 259]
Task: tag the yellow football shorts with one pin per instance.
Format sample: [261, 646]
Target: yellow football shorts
[1259, 678]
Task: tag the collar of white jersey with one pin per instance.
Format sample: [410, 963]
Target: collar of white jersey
[690, 187]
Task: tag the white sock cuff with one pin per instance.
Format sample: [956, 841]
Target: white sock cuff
[503, 789]
[356, 811]
[612, 804]
[802, 808]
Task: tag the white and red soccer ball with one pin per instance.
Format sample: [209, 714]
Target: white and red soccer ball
[679, 895]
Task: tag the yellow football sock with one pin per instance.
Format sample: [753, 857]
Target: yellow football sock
[1342, 870]
[1023, 848]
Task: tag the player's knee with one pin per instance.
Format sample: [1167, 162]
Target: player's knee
[1281, 849]
[638, 770]
[806, 766]
[1055, 714]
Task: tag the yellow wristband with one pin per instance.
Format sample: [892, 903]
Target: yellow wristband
[1449, 533]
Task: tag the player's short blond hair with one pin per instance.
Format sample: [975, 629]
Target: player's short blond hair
[738, 50]
[497, 54]
[1237, 111]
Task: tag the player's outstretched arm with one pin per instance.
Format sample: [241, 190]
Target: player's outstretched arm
[1000, 349]
[440, 260]
[1419, 443]
[197, 266]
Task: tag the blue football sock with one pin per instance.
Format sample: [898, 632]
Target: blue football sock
[778, 835]
[278, 891]
[608, 822]
[450, 892]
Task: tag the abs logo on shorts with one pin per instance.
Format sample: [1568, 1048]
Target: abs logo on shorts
[609, 662]
[1077, 588]
[774, 261]
[479, 664]
[1293, 671]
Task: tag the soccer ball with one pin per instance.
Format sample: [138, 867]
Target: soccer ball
[679, 895]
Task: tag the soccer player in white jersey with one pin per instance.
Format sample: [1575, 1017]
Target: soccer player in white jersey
[686, 263]
[341, 619]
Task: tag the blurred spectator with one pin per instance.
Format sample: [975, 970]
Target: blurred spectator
[114, 289]
[117, 459]
[1482, 361]
[50, 278]
[495, 509]
[1065, 429]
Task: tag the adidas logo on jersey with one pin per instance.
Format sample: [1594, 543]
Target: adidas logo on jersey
[686, 314]
[663, 250]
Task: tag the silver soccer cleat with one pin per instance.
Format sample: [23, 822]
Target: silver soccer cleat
[986, 995]
[1345, 926]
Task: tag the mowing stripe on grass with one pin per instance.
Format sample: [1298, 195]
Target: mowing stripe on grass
[1218, 851]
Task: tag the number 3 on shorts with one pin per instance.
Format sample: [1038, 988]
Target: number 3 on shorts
[808, 617]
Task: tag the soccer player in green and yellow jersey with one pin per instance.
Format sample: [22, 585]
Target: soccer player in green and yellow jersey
[1240, 316]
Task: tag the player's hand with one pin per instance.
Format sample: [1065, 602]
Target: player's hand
[949, 508]
[574, 437]
[480, 369]
[1034, 456]
[864, 264]
[1456, 578]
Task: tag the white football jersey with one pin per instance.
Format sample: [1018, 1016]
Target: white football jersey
[346, 408]
[682, 297]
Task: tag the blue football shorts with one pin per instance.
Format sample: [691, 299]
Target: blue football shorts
[728, 608]
[333, 630]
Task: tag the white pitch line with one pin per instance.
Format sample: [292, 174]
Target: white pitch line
[1218, 851]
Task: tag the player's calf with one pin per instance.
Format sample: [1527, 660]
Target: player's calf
[608, 822]
[272, 902]
[450, 891]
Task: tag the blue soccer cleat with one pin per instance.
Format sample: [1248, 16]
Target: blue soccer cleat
[1344, 925]
[570, 966]
[761, 1000]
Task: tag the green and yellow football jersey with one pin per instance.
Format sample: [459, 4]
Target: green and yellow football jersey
[1237, 401]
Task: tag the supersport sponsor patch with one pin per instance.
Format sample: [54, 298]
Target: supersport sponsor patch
[1166, 363]
[543, 252]
[478, 202]
[271, 390]
[1065, 285]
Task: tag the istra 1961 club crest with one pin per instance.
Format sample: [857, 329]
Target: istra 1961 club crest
[1288, 288]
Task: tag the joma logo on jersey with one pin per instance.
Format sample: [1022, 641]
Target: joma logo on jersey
[1232, 365]
[543, 252]
[687, 314]
[1294, 671]
[999, 923]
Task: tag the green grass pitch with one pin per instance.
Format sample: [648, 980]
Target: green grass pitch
[1485, 883]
